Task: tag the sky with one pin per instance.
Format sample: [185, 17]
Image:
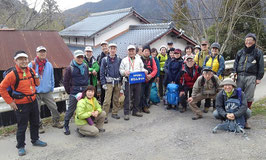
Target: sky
[63, 4]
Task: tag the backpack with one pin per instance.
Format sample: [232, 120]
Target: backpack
[154, 98]
[172, 94]
[149, 69]
[232, 105]
[13, 93]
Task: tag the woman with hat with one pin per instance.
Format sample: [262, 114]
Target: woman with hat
[215, 61]
[231, 103]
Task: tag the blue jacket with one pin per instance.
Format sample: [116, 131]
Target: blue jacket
[74, 82]
[174, 70]
[47, 79]
[110, 68]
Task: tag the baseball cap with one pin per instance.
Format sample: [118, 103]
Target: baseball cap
[88, 49]
[112, 45]
[104, 42]
[38, 49]
[78, 53]
[131, 47]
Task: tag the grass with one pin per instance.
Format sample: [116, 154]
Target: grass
[259, 107]
[6, 131]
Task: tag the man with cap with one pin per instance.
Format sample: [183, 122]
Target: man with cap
[44, 91]
[162, 57]
[170, 45]
[199, 59]
[76, 80]
[150, 66]
[22, 81]
[206, 86]
[129, 64]
[230, 103]
[105, 52]
[249, 68]
[93, 66]
[189, 74]
[111, 81]
[215, 60]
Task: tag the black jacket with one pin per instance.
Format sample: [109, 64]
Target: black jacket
[220, 103]
[250, 62]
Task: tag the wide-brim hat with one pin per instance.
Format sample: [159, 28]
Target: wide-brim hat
[228, 81]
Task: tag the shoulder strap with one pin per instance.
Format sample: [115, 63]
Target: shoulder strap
[17, 78]
[151, 59]
[32, 75]
[33, 64]
[239, 95]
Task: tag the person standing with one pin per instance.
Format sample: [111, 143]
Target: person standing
[44, 91]
[150, 66]
[105, 52]
[249, 68]
[93, 67]
[76, 80]
[162, 57]
[23, 80]
[110, 81]
[130, 64]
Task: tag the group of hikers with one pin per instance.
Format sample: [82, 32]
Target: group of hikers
[198, 73]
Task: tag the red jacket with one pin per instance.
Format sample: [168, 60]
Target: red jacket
[189, 76]
[152, 69]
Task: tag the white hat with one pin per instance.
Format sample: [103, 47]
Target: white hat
[228, 81]
[88, 49]
[78, 53]
[104, 42]
[112, 45]
[40, 48]
[20, 54]
[131, 47]
[163, 46]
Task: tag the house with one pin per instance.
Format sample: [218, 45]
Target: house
[98, 27]
[15, 40]
[155, 35]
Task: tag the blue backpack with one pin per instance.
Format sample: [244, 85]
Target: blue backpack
[154, 94]
[172, 94]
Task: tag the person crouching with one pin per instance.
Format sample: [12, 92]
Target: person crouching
[88, 112]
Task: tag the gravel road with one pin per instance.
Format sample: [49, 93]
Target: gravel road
[161, 135]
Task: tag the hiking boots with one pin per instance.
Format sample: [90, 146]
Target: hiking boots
[106, 120]
[137, 114]
[206, 110]
[183, 110]
[101, 130]
[21, 151]
[146, 110]
[39, 143]
[126, 117]
[57, 124]
[115, 116]
[169, 107]
[196, 117]
[66, 130]
[247, 126]
[41, 129]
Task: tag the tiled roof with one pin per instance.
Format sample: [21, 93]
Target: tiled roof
[138, 35]
[96, 22]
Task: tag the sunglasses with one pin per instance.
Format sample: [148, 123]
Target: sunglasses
[204, 44]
